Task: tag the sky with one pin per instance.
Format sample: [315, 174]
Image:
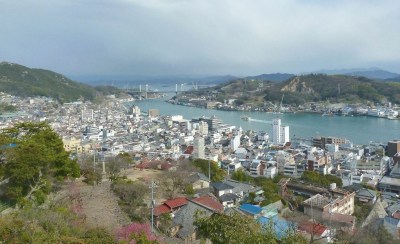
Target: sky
[199, 37]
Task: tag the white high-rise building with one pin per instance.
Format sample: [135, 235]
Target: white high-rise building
[198, 147]
[235, 142]
[285, 134]
[280, 134]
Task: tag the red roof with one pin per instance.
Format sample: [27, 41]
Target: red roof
[396, 215]
[189, 150]
[312, 228]
[177, 202]
[209, 202]
[162, 209]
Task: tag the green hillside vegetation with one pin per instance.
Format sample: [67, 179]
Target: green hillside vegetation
[22, 81]
[326, 87]
[310, 88]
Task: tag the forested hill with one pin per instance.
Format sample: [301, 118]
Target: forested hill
[311, 88]
[22, 81]
[320, 87]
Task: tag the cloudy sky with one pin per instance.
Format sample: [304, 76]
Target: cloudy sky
[201, 37]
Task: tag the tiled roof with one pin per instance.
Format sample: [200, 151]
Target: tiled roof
[311, 228]
[189, 150]
[209, 202]
[177, 202]
[228, 197]
[162, 209]
[220, 186]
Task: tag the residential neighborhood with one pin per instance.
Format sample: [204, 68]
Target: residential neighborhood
[320, 189]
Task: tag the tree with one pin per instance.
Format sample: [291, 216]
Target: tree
[132, 195]
[53, 225]
[241, 176]
[137, 233]
[172, 183]
[323, 180]
[217, 174]
[235, 228]
[37, 160]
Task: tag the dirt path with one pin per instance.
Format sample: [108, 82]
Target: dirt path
[101, 208]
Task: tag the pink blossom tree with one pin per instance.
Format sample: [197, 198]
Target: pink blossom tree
[136, 233]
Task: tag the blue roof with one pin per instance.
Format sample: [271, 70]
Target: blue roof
[251, 209]
[280, 226]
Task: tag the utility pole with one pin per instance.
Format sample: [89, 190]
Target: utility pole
[153, 203]
[94, 159]
[209, 170]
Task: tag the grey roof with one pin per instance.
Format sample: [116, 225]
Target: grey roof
[366, 193]
[390, 181]
[238, 187]
[186, 216]
[393, 208]
[220, 186]
[197, 176]
[228, 197]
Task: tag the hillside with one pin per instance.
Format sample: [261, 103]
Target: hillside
[338, 88]
[311, 88]
[22, 81]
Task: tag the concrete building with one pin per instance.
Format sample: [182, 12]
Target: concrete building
[280, 134]
[203, 128]
[388, 184]
[235, 142]
[321, 142]
[198, 147]
[318, 205]
[393, 147]
[153, 112]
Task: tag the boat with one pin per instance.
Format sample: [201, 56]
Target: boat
[246, 118]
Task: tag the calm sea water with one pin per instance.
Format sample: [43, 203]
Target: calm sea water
[359, 130]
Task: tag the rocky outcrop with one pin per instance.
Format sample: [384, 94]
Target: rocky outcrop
[297, 85]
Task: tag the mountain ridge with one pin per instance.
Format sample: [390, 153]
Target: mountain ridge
[23, 81]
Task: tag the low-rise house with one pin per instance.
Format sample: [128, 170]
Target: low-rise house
[183, 220]
[366, 195]
[169, 207]
[255, 167]
[199, 181]
[317, 230]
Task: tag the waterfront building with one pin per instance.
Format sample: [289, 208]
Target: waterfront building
[280, 134]
[135, 110]
[153, 112]
[213, 122]
[322, 141]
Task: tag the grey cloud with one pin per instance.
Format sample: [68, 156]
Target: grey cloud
[200, 36]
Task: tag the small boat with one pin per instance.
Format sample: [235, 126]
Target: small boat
[246, 118]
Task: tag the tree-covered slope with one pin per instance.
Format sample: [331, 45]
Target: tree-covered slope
[22, 81]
